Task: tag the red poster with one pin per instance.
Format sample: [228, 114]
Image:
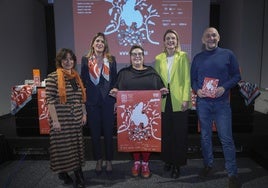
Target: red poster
[42, 112]
[210, 86]
[139, 121]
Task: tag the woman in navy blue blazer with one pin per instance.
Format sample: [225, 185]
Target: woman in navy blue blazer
[99, 73]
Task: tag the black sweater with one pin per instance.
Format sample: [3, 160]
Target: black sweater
[132, 79]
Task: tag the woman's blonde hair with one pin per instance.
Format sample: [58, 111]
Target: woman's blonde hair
[178, 47]
[106, 52]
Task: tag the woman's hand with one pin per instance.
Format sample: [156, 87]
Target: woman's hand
[184, 106]
[84, 119]
[164, 91]
[113, 92]
[56, 126]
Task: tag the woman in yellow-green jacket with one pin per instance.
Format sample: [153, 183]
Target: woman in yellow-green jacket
[174, 68]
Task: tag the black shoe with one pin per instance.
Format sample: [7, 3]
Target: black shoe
[98, 172]
[81, 174]
[65, 177]
[80, 183]
[167, 167]
[205, 172]
[234, 182]
[109, 168]
[175, 172]
[98, 169]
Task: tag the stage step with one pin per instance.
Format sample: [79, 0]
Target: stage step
[38, 148]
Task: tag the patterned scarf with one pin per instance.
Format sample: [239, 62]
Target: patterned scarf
[61, 83]
[94, 70]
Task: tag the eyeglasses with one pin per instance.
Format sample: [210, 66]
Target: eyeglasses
[137, 54]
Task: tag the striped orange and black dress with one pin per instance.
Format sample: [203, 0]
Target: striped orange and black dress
[66, 146]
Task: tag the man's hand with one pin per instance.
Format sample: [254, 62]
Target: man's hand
[201, 93]
[219, 92]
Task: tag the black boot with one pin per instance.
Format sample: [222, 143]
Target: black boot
[65, 177]
[175, 172]
[167, 167]
[80, 181]
[81, 174]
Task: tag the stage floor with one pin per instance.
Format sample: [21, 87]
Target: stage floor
[36, 174]
[29, 165]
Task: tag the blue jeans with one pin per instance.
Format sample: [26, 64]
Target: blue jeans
[220, 112]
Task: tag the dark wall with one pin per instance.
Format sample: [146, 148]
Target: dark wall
[243, 30]
[51, 41]
[23, 45]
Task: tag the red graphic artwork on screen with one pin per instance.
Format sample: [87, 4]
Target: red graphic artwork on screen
[131, 22]
[139, 121]
[210, 86]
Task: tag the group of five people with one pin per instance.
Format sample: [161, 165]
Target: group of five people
[89, 98]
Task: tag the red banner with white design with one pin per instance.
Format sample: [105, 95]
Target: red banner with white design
[42, 112]
[139, 121]
[20, 96]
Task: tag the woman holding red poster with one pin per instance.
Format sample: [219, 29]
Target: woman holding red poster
[139, 77]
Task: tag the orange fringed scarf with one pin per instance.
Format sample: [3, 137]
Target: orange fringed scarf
[61, 83]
